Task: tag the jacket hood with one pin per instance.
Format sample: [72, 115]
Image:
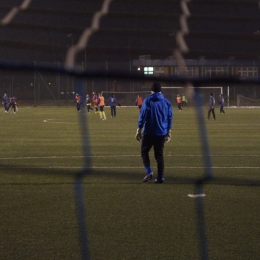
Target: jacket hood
[156, 96]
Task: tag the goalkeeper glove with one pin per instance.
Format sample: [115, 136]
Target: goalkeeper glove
[138, 135]
[168, 136]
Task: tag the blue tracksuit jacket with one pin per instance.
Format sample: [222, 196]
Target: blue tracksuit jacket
[156, 115]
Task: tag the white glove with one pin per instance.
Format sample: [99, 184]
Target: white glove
[138, 135]
[168, 136]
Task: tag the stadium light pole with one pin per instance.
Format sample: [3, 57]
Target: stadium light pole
[70, 35]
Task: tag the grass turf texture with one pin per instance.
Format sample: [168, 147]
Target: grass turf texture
[126, 219]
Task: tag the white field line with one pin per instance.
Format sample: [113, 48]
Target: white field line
[65, 123]
[116, 167]
[194, 196]
[176, 124]
[117, 156]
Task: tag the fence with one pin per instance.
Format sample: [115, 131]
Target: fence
[34, 88]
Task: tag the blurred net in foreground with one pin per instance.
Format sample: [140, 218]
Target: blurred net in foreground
[62, 33]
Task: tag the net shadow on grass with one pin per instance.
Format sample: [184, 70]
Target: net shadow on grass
[79, 181]
[109, 176]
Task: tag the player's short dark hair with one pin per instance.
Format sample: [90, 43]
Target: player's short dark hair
[156, 87]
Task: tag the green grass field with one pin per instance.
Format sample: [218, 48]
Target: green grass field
[127, 219]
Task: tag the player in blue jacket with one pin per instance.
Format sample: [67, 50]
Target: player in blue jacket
[13, 105]
[5, 102]
[112, 103]
[211, 107]
[154, 128]
[221, 102]
[88, 103]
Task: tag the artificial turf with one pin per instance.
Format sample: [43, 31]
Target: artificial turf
[45, 149]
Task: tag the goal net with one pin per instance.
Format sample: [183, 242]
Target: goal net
[243, 101]
[52, 49]
[188, 91]
[129, 98]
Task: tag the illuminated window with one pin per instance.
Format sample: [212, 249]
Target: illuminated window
[148, 70]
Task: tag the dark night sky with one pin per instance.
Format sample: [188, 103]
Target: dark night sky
[218, 29]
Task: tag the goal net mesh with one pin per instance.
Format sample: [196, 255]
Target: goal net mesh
[243, 101]
[129, 98]
[52, 49]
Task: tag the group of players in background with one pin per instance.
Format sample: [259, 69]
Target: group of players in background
[98, 103]
[10, 103]
[182, 103]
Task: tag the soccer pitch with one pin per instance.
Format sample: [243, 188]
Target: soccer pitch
[43, 149]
